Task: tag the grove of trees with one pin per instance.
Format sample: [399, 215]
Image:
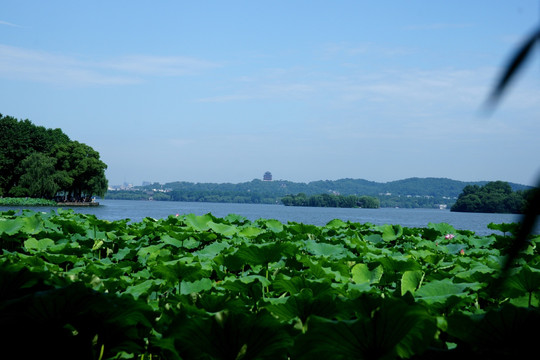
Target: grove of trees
[44, 163]
[494, 197]
[331, 200]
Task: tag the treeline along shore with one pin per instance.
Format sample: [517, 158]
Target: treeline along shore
[406, 193]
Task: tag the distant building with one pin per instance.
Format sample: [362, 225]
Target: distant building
[267, 176]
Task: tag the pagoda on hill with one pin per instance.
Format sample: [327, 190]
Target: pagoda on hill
[267, 176]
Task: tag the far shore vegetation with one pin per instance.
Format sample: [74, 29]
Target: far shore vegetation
[494, 197]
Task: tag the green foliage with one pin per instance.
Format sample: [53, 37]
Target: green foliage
[202, 287]
[39, 162]
[10, 201]
[326, 200]
[494, 197]
[407, 193]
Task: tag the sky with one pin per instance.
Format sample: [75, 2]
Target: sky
[223, 91]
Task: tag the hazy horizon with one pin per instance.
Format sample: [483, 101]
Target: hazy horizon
[220, 92]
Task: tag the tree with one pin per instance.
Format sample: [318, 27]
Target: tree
[494, 197]
[39, 179]
[83, 173]
[18, 140]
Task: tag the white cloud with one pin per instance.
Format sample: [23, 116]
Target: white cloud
[41, 66]
[159, 65]
[9, 24]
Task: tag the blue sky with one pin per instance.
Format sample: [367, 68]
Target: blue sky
[222, 91]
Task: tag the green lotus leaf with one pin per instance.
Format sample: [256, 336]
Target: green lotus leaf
[251, 232]
[121, 254]
[482, 242]
[189, 287]
[442, 228]
[477, 272]
[391, 232]
[303, 305]
[361, 274]
[293, 285]
[455, 248]
[175, 271]
[222, 229]
[441, 292]
[273, 225]
[30, 223]
[262, 254]
[229, 335]
[142, 289]
[38, 245]
[391, 329]
[374, 238]
[336, 224]
[525, 281]
[236, 219]
[327, 250]
[411, 280]
[512, 228]
[398, 264]
[198, 223]
[169, 240]
[212, 250]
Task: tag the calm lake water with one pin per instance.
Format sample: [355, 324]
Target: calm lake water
[137, 210]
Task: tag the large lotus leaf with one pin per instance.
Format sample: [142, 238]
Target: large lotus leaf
[512, 228]
[198, 223]
[391, 232]
[189, 287]
[251, 232]
[176, 271]
[442, 294]
[411, 280]
[293, 285]
[236, 219]
[482, 242]
[507, 332]
[212, 250]
[336, 224]
[121, 254]
[229, 335]
[214, 303]
[38, 245]
[442, 228]
[169, 240]
[526, 281]
[273, 225]
[391, 329]
[222, 229]
[143, 288]
[455, 248]
[303, 305]
[398, 264]
[477, 272]
[262, 254]
[361, 274]
[30, 224]
[327, 250]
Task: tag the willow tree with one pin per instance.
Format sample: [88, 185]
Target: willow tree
[81, 171]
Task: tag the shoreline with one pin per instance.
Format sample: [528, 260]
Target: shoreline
[77, 204]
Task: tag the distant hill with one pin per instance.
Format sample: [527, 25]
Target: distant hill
[411, 192]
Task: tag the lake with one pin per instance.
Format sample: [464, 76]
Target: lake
[137, 210]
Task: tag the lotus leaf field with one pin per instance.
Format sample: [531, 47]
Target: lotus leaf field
[73, 286]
